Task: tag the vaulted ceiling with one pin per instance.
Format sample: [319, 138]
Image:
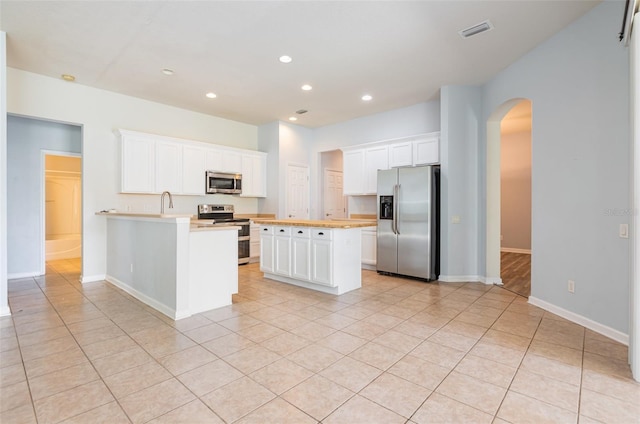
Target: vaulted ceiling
[399, 52]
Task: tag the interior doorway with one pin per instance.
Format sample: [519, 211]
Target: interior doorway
[62, 209]
[515, 199]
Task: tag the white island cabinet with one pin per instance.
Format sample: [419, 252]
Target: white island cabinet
[176, 267]
[319, 255]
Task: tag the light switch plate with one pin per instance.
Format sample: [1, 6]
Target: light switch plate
[455, 219]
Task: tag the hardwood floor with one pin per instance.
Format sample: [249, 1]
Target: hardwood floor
[515, 270]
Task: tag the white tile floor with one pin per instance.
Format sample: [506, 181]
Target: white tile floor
[395, 350]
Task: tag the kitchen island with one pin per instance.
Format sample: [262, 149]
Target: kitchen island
[318, 255]
[170, 264]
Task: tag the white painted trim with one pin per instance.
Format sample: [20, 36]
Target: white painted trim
[515, 250]
[4, 289]
[5, 311]
[31, 274]
[166, 310]
[634, 283]
[497, 281]
[460, 278]
[92, 278]
[581, 320]
[371, 267]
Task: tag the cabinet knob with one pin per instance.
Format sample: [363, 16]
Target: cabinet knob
[299, 232]
[320, 234]
[282, 231]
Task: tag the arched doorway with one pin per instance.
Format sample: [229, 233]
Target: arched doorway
[493, 212]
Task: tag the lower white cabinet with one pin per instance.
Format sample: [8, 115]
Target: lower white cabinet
[282, 251]
[369, 246]
[322, 262]
[301, 254]
[266, 249]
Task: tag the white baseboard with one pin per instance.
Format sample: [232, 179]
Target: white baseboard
[497, 281]
[92, 278]
[515, 250]
[369, 267]
[583, 321]
[170, 312]
[460, 278]
[5, 311]
[17, 275]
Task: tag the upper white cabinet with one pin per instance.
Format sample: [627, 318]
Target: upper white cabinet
[168, 167]
[426, 151]
[193, 166]
[151, 164]
[361, 163]
[401, 154]
[254, 175]
[138, 164]
[375, 158]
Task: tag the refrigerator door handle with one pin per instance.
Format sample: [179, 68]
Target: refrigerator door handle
[396, 205]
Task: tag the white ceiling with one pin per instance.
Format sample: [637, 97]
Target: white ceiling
[401, 52]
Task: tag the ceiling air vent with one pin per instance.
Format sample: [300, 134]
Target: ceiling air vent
[301, 111]
[476, 29]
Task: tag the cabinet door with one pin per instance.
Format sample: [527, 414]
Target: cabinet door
[213, 161]
[353, 170]
[426, 151]
[231, 162]
[193, 170]
[282, 256]
[301, 258]
[369, 247]
[266, 253]
[254, 176]
[321, 262]
[375, 158]
[168, 167]
[401, 154]
[138, 165]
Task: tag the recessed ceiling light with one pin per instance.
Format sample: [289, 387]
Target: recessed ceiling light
[68, 77]
[293, 118]
[366, 97]
[167, 71]
[306, 87]
[211, 95]
[285, 59]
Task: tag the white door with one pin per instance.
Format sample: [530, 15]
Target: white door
[334, 200]
[297, 192]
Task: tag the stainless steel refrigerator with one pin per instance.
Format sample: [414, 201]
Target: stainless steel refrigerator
[408, 222]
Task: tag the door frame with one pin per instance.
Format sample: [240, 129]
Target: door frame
[43, 207]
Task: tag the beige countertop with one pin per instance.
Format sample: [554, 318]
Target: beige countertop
[205, 227]
[342, 224]
[146, 215]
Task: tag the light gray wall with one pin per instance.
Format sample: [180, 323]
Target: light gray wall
[515, 190]
[461, 109]
[578, 82]
[268, 141]
[26, 138]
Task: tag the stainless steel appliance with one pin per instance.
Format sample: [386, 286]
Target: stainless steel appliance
[408, 222]
[220, 215]
[222, 182]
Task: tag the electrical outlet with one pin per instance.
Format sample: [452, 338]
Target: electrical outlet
[501, 237]
[147, 208]
[455, 219]
[571, 286]
[624, 231]
[127, 208]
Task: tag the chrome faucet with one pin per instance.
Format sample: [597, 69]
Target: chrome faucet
[162, 201]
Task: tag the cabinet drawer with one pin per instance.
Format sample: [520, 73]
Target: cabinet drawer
[264, 229]
[322, 233]
[301, 232]
[282, 231]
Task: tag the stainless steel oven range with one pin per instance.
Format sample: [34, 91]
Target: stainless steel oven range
[223, 215]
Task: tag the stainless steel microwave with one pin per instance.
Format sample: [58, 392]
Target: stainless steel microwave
[222, 182]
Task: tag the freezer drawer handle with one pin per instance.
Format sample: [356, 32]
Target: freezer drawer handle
[320, 234]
